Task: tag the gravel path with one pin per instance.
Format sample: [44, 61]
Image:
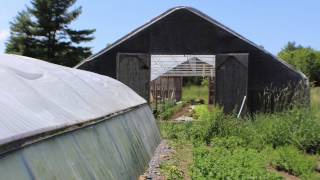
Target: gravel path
[162, 153]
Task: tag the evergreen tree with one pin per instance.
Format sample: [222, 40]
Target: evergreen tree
[43, 32]
[291, 46]
[21, 40]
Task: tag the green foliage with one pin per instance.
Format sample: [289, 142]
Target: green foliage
[21, 41]
[297, 127]
[205, 82]
[224, 163]
[213, 123]
[229, 142]
[43, 31]
[201, 112]
[168, 109]
[305, 59]
[193, 92]
[225, 147]
[315, 100]
[176, 131]
[171, 171]
[291, 160]
[188, 81]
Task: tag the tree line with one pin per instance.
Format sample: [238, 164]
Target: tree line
[305, 59]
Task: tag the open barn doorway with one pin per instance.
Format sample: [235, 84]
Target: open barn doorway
[226, 76]
[169, 74]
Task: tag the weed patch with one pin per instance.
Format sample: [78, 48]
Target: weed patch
[224, 147]
[293, 161]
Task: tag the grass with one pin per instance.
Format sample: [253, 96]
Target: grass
[217, 146]
[237, 163]
[193, 92]
[189, 93]
[315, 101]
[169, 109]
[290, 159]
[178, 166]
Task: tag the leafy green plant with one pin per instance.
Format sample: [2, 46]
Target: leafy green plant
[169, 109]
[297, 127]
[229, 142]
[290, 159]
[193, 92]
[212, 123]
[171, 171]
[225, 147]
[176, 131]
[223, 163]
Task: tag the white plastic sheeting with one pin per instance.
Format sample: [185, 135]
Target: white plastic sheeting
[118, 148]
[161, 64]
[36, 96]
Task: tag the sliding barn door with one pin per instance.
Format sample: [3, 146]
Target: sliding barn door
[231, 81]
[133, 69]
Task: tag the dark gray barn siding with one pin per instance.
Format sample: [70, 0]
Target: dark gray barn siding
[187, 31]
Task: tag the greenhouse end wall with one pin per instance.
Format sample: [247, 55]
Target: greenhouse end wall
[116, 148]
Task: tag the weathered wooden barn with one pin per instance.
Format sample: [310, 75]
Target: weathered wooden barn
[242, 68]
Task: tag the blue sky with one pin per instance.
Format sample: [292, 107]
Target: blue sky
[270, 23]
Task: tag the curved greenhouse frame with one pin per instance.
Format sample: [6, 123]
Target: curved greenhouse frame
[63, 123]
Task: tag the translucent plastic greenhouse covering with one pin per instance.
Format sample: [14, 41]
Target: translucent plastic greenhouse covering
[114, 133]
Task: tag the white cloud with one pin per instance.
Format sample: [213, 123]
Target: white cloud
[4, 34]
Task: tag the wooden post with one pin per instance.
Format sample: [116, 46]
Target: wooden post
[211, 87]
[155, 89]
[168, 81]
[178, 88]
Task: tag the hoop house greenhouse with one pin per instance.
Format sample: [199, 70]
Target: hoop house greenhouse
[63, 123]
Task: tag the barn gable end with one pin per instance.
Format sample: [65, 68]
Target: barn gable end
[185, 30]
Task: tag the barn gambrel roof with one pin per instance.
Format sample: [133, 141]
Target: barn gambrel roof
[198, 13]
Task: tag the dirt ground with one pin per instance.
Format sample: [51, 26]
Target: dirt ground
[185, 114]
[163, 153]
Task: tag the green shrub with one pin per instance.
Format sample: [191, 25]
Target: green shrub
[291, 160]
[212, 123]
[194, 92]
[228, 148]
[223, 163]
[171, 171]
[229, 142]
[305, 59]
[297, 127]
[176, 131]
[169, 109]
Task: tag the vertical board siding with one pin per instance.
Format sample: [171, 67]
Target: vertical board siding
[133, 70]
[231, 80]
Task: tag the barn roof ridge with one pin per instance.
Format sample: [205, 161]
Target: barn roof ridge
[198, 13]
